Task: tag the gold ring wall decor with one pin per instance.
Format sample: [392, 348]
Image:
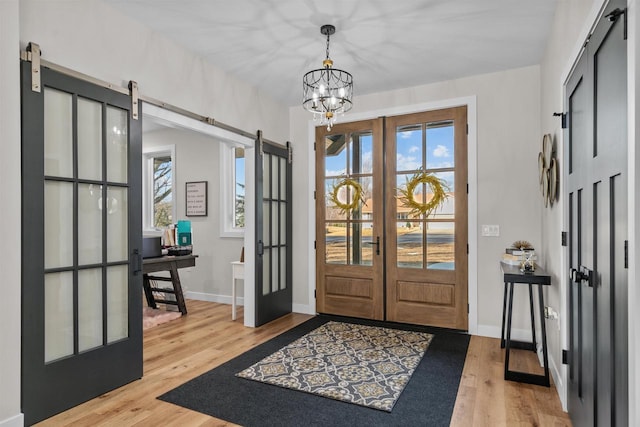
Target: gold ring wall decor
[357, 195]
[438, 187]
[548, 171]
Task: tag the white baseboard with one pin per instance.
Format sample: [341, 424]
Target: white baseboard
[555, 374]
[203, 296]
[15, 421]
[226, 299]
[303, 309]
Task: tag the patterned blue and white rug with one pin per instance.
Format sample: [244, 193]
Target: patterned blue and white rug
[364, 365]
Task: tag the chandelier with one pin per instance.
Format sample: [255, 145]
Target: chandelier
[327, 91]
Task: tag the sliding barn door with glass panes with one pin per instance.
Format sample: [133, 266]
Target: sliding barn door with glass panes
[81, 227]
[381, 252]
[273, 292]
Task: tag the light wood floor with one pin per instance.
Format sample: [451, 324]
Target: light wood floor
[178, 351]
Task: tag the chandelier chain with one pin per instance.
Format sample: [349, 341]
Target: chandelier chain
[328, 35]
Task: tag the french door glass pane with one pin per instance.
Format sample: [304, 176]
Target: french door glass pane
[410, 243]
[117, 303]
[361, 153]
[360, 242]
[336, 243]
[283, 223]
[58, 224]
[58, 133]
[283, 267]
[275, 177]
[266, 176]
[117, 224]
[335, 161]
[89, 139]
[117, 145]
[409, 148]
[447, 209]
[440, 143]
[275, 264]
[441, 245]
[58, 315]
[266, 223]
[266, 272]
[333, 212]
[283, 179]
[89, 224]
[275, 223]
[89, 309]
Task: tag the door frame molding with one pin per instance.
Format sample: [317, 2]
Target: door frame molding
[472, 176]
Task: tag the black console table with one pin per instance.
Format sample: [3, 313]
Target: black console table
[512, 274]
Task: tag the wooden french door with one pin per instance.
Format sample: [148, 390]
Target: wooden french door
[596, 162]
[273, 292]
[376, 256]
[427, 254]
[349, 266]
[81, 242]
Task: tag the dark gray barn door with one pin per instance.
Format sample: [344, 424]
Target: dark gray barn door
[81, 233]
[273, 293]
[596, 99]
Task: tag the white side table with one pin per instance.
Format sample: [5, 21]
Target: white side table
[237, 272]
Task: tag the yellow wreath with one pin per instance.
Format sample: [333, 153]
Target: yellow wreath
[438, 187]
[357, 195]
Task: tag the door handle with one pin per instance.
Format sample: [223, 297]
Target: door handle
[137, 262]
[581, 274]
[260, 248]
[377, 243]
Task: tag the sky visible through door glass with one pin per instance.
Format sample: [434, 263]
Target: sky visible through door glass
[439, 152]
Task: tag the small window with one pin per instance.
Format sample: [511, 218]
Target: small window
[232, 190]
[159, 188]
[238, 196]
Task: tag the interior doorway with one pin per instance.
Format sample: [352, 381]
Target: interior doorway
[381, 252]
[201, 150]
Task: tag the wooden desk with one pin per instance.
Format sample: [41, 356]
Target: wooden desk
[237, 272]
[512, 274]
[170, 264]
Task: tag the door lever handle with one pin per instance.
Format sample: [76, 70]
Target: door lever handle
[377, 243]
[582, 274]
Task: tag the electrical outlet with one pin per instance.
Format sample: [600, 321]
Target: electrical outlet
[490, 230]
[551, 314]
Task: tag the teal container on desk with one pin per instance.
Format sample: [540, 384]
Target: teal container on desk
[184, 233]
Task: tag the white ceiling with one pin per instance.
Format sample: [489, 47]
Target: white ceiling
[384, 44]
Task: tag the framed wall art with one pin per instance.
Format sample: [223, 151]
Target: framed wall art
[196, 198]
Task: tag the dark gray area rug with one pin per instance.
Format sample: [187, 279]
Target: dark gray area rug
[427, 399]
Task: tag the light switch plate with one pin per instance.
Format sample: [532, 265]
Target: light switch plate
[491, 230]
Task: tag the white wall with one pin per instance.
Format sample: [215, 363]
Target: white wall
[198, 159]
[508, 140]
[10, 215]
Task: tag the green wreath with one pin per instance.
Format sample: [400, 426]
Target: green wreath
[357, 195]
[438, 187]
